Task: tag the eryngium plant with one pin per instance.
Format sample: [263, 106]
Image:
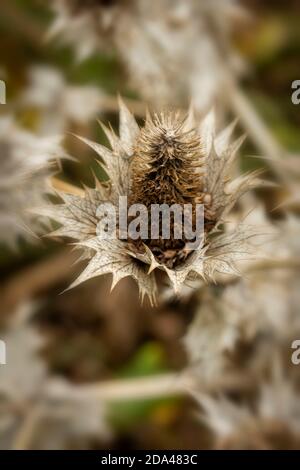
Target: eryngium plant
[26, 162]
[170, 160]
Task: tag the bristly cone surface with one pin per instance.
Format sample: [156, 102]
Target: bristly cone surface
[170, 160]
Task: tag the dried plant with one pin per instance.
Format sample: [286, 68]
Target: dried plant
[20, 381]
[32, 414]
[173, 160]
[95, 19]
[156, 41]
[26, 162]
[272, 423]
[57, 103]
[249, 325]
[264, 303]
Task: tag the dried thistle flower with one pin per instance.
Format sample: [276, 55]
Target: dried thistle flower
[156, 41]
[25, 165]
[171, 159]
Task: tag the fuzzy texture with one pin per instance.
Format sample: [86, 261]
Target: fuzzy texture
[78, 215]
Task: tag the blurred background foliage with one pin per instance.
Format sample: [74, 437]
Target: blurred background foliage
[91, 336]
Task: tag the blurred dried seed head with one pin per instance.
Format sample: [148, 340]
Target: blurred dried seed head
[23, 375]
[62, 417]
[262, 304]
[70, 420]
[269, 421]
[181, 47]
[26, 162]
[185, 148]
[96, 21]
[248, 327]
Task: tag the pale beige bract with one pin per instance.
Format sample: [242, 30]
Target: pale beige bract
[156, 41]
[78, 215]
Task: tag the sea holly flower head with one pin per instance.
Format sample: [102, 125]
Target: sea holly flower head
[174, 162]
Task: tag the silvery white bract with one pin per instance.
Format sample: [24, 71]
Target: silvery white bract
[248, 327]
